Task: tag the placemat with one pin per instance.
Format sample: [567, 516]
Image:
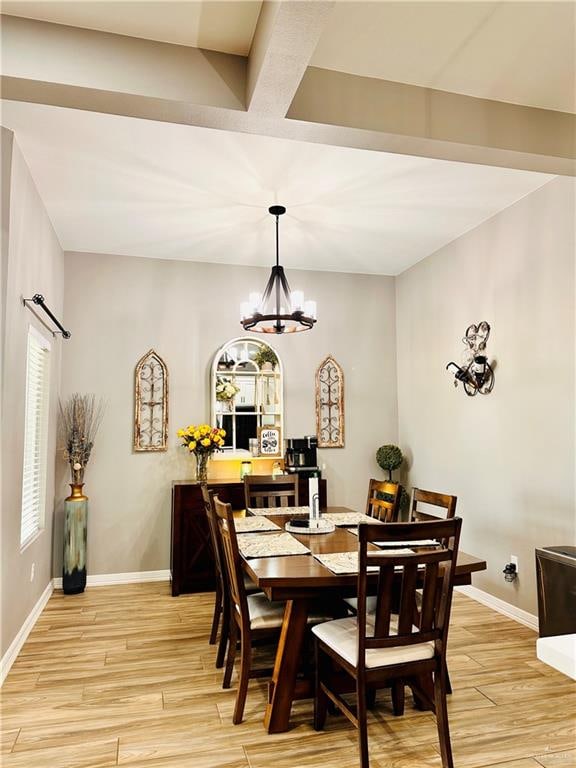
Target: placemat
[268, 511]
[254, 525]
[396, 544]
[347, 562]
[342, 519]
[270, 545]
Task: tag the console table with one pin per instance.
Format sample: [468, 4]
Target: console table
[191, 556]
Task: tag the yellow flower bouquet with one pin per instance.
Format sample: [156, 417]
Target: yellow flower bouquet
[202, 440]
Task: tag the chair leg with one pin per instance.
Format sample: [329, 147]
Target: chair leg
[371, 698]
[442, 718]
[224, 636]
[320, 698]
[362, 716]
[398, 695]
[216, 616]
[448, 683]
[245, 664]
[232, 643]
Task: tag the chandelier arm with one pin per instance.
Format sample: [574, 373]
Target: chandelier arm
[269, 287]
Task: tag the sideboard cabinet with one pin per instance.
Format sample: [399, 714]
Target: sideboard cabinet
[191, 556]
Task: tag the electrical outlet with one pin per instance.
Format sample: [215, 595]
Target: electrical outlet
[514, 561]
[32, 571]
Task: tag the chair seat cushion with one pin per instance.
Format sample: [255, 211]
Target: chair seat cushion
[265, 614]
[342, 636]
[249, 585]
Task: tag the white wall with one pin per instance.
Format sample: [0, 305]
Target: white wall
[32, 262]
[508, 456]
[119, 307]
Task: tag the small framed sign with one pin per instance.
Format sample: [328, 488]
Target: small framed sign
[270, 441]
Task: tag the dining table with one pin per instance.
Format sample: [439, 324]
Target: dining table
[302, 581]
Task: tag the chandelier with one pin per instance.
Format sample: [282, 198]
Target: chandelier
[277, 310]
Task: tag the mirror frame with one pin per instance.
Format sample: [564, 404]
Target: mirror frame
[229, 450]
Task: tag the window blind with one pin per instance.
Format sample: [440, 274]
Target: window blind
[35, 435]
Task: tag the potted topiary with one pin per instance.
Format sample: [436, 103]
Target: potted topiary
[265, 358]
[389, 458]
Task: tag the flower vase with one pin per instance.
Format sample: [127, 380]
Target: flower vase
[202, 467]
[75, 541]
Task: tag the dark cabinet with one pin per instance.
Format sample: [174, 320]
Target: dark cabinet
[191, 556]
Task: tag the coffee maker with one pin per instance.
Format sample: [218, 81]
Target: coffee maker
[301, 456]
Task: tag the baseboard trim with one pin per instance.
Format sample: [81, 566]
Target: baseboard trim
[15, 646]
[110, 579]
[501, 606]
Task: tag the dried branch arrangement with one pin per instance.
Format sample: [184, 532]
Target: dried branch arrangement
[80, 417]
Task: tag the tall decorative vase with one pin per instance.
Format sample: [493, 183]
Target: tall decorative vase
[202, 467]
[75, 541]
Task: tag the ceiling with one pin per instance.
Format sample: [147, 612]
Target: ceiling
[143, 188]
[216, 26]
[519, 52]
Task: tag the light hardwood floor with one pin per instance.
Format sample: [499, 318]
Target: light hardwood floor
[124, 676]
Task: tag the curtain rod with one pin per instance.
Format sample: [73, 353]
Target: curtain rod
[38, 299]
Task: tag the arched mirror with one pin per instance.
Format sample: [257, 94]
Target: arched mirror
[246, 391]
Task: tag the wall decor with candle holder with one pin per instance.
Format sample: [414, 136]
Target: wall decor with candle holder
[475, 373]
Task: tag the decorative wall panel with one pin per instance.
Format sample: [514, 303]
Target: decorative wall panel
[330, 404]
[151, 403]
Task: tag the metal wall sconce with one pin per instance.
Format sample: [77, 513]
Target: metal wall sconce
[475, 373]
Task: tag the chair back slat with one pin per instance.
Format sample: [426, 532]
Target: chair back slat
[384, 601]
[233, 570]
[383, 501]
[263, 491]
[430, 595]
[444, 503]
[408, 599]
[432, 568]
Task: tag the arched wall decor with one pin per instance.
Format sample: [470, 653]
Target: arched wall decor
[150, 403]
[330, 404]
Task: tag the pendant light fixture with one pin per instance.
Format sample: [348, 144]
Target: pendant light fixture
[277, 310]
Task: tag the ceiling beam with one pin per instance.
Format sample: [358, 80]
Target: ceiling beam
[285, 38]
[71, 57]
[339, 99]
[96, 71]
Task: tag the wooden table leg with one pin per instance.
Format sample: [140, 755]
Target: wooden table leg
[281, 690]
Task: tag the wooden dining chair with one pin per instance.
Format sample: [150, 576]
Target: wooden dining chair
[383, 648]
[222, 595]
[252, 617]
[445, 505]
[262, 491]
[383, 501]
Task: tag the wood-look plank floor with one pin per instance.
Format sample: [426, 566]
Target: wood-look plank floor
[124, 676]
